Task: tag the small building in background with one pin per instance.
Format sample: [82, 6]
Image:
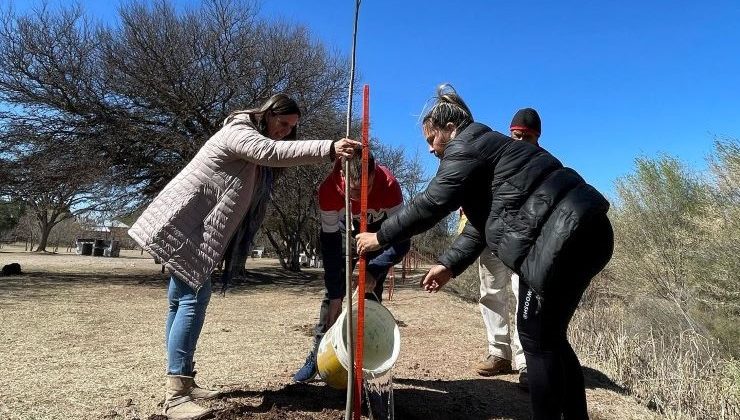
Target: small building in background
[106, 239]
[258, 251]
[112, 230]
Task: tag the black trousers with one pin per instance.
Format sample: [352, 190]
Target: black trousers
[556, 386]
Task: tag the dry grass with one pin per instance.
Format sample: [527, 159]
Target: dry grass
[82, 339]
[682, 376]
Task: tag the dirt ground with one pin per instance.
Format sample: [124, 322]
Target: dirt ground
[82, 338]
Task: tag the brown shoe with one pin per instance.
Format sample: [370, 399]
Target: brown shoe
[493, 365]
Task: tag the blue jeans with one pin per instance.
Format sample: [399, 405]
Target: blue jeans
[187, 311]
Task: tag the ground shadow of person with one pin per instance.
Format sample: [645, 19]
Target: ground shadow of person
[459, 399]
[259, 278]
[474, 399]
[595, 379]
[285, 402]
[427, 399]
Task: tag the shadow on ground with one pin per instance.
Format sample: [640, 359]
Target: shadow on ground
[595, 379]
[44, 282]
[414, 399]
[474, 399]
[469, 399]
[35, 283]
[257, 279]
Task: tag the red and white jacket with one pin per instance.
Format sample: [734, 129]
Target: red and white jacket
[384, 200]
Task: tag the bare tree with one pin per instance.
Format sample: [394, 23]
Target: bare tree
[49, 82]
[65, 233]
[53, 178]
[293, 217]
[26, 230]
[177, 76]
[10, 214]
[138, 99]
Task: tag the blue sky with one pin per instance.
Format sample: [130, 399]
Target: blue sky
[611, 80]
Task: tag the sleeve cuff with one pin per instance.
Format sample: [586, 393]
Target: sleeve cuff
[382, 240]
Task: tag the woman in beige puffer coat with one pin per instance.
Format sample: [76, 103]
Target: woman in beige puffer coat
[189, 224]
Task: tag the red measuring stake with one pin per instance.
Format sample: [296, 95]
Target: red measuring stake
[359, 342]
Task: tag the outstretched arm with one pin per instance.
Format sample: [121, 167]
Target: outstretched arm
[247, 143]
[466, 248]
[443, 195]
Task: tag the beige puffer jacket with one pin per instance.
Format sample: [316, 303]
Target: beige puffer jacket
[190, 222]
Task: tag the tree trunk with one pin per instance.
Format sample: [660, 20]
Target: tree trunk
[46, 223]
[43, 240]
[45, 228]
[294, 264]
[275, 245]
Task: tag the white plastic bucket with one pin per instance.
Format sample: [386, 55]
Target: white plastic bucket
[382, 343]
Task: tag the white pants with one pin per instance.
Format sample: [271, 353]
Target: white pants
[495, 279]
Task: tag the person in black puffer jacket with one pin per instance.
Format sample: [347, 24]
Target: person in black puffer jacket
[541, 219]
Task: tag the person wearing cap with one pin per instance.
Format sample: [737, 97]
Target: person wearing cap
[527, 126]
[498, 282]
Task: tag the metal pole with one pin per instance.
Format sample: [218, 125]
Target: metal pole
[348, 234]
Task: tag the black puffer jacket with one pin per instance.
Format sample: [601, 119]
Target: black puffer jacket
[519, 200]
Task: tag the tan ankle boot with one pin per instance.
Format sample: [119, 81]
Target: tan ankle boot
[178, 403]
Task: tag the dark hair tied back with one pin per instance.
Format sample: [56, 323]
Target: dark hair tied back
[448, 107]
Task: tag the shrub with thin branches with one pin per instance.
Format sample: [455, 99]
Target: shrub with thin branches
[682, 375]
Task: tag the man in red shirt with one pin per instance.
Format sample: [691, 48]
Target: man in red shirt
[384, 199]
